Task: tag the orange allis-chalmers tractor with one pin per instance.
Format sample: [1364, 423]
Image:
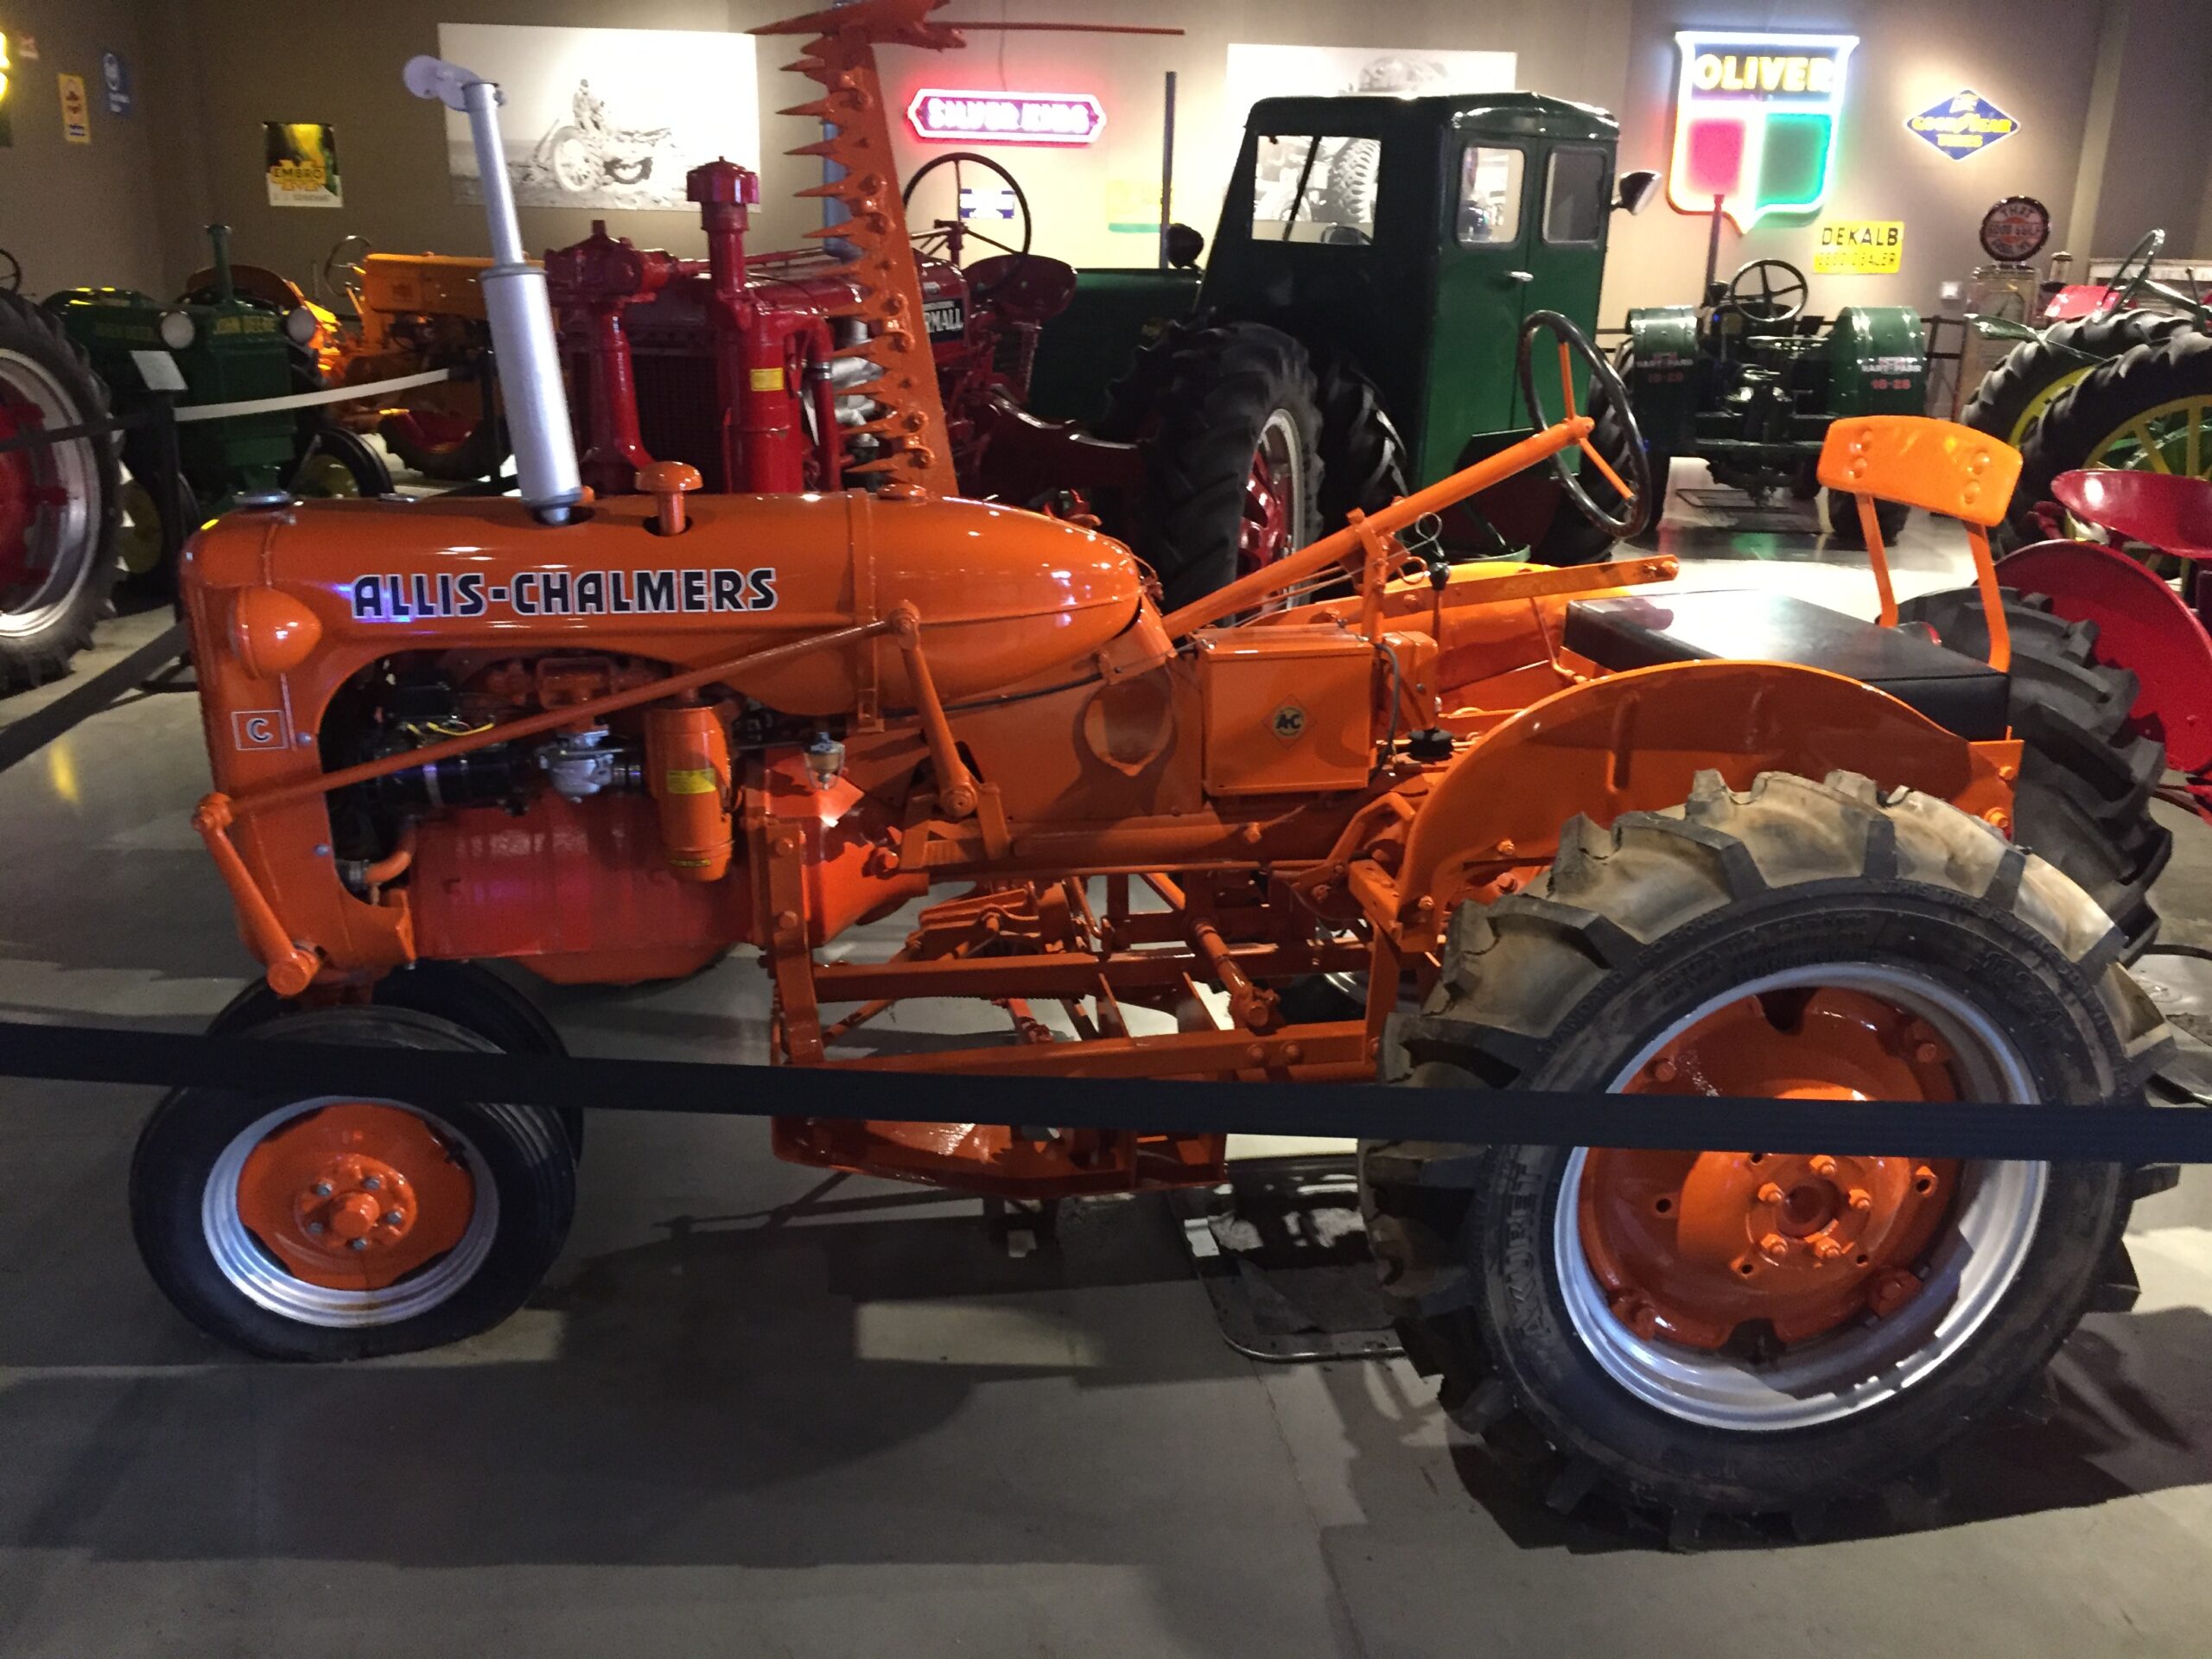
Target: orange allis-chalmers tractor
[610, 739]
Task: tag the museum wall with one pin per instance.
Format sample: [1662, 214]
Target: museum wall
[75, 213]
[208, 74]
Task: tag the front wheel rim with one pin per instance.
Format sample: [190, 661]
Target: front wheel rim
[1963, 1274]
[239, 1221]
[50, 494]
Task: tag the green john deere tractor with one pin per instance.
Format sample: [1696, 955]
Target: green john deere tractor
[221, 343]
[1354, 331]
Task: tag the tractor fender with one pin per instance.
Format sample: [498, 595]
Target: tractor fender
[1663, 375]
[1877, 361]
[1635, 741]
[2142, 625]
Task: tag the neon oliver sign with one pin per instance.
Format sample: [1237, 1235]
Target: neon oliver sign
[945, 117]
[1755, 122]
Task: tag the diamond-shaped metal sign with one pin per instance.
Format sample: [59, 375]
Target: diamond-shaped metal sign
[1963, 124]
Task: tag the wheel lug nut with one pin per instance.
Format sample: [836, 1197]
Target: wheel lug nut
[1775, 1245]
[393, 1217]
[314, 1227]
[1927, 1053]
[372, 1184]
[1861, 1199]
[322, 1189]
[1822, 1166]
[1826, 1248]
[360, 1244]
[1771, 1194]
[1663, 1071]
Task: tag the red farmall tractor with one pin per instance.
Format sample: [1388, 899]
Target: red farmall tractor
[615, 736]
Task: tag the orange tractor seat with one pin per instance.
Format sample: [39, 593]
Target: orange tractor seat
[1937, 466]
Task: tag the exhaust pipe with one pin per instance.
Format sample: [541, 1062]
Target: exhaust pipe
[516, 300]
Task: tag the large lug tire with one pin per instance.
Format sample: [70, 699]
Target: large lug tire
[224, 1192]
[58, 569]
[2012, 396]
[1364, 463]
[2082, 801]
[1231, 397]
[2166, 385]
[1656, 929]
[464, 992]
[337, 462]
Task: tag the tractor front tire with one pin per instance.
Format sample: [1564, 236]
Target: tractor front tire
[1782, 924]
[2082, 801]
[1230, 396]
[1839, 519]
[59, 503]
[234, 1207]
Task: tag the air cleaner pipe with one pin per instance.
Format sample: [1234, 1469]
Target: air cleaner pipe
[516, 300]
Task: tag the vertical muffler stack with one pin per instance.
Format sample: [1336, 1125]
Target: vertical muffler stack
[515, 299]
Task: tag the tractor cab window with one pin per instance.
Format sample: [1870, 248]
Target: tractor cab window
[1575, 200]
[1315, 187]
[1490, 196]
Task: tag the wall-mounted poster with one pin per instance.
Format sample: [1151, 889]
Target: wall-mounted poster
[301, 159]
[606, 118]
[1339, 196]
[115, 75]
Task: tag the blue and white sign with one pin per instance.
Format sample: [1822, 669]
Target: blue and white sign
[986, 201]
[115, 76]
[1963, 124]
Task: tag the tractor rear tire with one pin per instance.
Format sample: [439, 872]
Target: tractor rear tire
[2083, 798]
[1839, 519]
[1730, 907]
[1364, 463]
[1228, 391]
[203, 1230]
[42, 627]
[2101, 404]
[346, 462]
[2013, 394]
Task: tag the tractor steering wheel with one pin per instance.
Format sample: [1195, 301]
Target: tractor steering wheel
[340, 278]
[2123, 288]
[11, 272]
[1776, 302]
[945, 238]
[1634, 511]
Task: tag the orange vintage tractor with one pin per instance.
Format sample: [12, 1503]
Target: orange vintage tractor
[613, 738]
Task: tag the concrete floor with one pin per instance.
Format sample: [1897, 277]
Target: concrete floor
[755, 1413]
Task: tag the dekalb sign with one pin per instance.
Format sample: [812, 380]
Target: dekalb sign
[944, 116]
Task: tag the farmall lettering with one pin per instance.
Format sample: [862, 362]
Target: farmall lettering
[419, 596]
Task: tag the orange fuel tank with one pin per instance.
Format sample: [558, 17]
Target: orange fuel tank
[1003, 594]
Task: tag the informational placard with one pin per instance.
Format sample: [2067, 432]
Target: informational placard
[1859, 247]
[76, 112]
[949, 116]
[606, 118]
[1965, 123]
[1755, 122]
[300, 161]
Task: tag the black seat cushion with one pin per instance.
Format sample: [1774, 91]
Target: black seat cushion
[1960, 693]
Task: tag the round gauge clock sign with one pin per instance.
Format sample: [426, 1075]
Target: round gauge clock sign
[2014, 230]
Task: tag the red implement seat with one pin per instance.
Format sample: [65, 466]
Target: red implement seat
[2168, 511]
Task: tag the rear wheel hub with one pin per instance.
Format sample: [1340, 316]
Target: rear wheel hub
[1696, 1247]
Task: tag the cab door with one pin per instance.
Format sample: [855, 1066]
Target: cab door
[1484, 274]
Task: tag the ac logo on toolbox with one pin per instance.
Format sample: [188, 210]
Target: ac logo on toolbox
[260, 728]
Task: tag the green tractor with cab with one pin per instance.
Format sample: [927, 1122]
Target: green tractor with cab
[1355, 330]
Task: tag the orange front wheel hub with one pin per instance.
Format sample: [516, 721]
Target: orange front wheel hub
[356, 1196]
[1695, 1247]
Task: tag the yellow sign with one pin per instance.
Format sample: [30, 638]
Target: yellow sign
[76, 113]
[300, 161]
[1859, 247]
